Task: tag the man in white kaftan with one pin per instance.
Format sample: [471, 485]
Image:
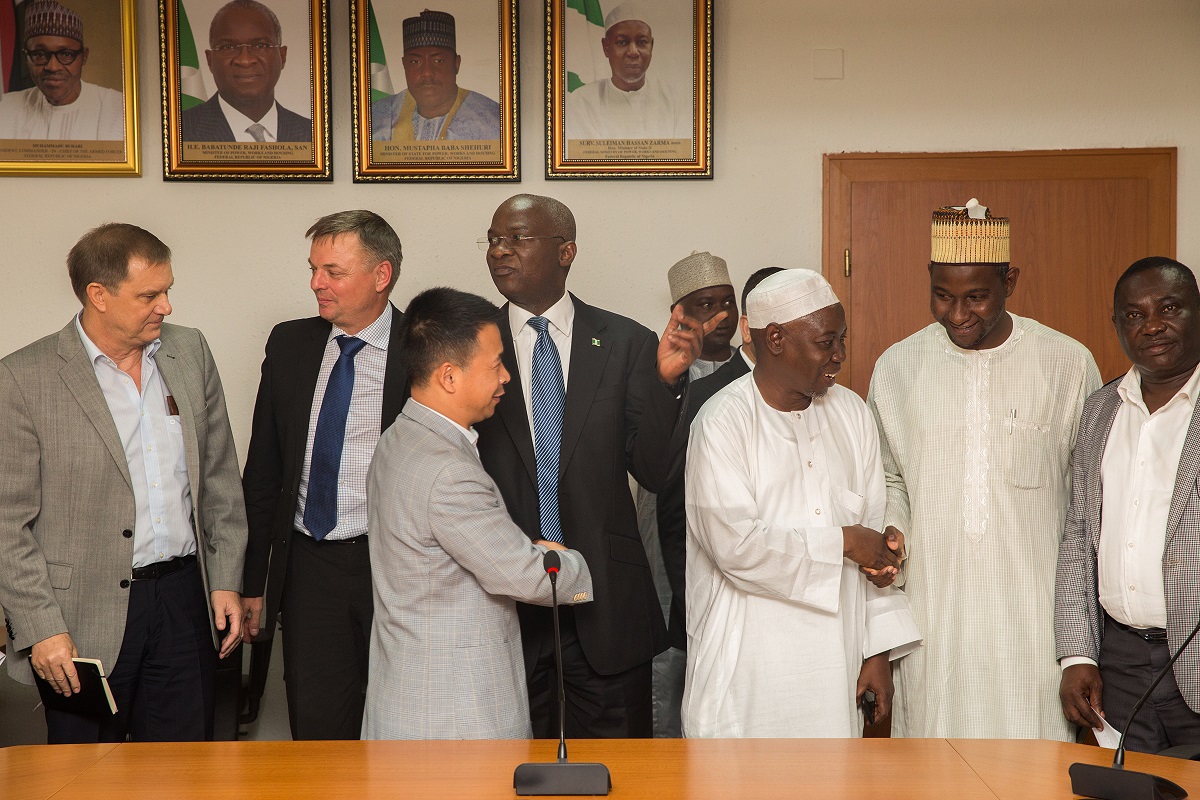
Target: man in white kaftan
[780, 621]
[977, 414]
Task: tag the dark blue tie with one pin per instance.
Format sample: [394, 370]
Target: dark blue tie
[320, 503]
[547, 396]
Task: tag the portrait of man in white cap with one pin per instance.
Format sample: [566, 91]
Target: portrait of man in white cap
[634, 102]
[785, 498]
[60, 104]
[433, 106]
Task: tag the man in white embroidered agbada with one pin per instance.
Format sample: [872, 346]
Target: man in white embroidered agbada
[977, 417]
[785, 496]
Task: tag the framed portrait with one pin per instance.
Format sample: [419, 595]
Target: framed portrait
[435, 90]
[68, 87]
[245, 89]
[629, 89]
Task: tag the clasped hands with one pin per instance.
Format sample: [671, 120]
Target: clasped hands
[878, 555]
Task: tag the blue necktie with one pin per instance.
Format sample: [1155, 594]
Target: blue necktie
[320, 503]
[547, 397]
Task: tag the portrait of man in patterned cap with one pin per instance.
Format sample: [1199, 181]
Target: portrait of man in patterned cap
[60, 104]
[433, 106]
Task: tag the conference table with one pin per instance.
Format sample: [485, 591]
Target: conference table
[695, 769]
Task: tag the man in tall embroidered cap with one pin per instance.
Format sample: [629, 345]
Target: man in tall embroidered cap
[434, 106]
[977, 418]
[246, 56]
[700, 284]
[60, 105]
[785, 496]
[633, 103]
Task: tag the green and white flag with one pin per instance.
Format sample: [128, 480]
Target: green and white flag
[381, 79]
[585, 28]
[192, 91]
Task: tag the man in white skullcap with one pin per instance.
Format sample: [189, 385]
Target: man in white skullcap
[633, 103]
[977, 418]
[60, 105]
[785, 496]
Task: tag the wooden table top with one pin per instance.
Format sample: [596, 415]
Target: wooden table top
[691, 769]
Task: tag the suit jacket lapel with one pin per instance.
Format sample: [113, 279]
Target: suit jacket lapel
[1185, 476]
[80, 377]
[589, 354]
[169, 366]
[395, 379]
[1095, 486]
[511, 410]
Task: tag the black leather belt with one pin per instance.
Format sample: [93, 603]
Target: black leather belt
[360, 539]
[162, 569]
[1149, 634]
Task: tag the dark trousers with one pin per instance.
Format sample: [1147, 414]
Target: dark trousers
[1128, 664]
[163, 679]
[326, 616]
[598, 706]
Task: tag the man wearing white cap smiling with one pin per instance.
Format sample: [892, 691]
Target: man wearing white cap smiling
[977, 415]
[633, 103]
[785, 496]
[61, 105]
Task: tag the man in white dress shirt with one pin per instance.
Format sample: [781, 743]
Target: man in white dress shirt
[61, 105]
[1127, 594]
[977, 416]
[785, 496]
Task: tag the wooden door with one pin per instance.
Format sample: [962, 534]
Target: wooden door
[1079, 218]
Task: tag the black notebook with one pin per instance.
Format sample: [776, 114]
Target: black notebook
[94, 697]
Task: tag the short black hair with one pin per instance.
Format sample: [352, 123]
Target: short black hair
[757, 277]
[440, 325]
[1160, 263]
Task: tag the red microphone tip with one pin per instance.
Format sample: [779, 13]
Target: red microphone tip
[552, 569]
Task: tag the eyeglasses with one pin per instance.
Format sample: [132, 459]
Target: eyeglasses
[258, 49]
[511, 242]
[41, 58]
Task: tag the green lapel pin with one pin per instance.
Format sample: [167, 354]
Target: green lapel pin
[595, 342]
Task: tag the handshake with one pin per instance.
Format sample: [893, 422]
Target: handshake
[878, 555]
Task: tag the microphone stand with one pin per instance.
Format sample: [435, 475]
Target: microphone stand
[1115, 783]
[561, 777]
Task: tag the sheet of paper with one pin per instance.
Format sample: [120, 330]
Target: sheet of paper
[1108, 736]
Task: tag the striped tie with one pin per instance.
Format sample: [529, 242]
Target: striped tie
[547, 395]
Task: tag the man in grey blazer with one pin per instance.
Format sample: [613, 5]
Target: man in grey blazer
[1128, 588]
[447, 561]
[121, 513]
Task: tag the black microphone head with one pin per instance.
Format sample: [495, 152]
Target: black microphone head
[551, 561]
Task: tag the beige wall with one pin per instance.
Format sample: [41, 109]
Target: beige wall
[920, 75]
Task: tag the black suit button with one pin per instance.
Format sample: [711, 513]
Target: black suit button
[128, 534]
[125, 584]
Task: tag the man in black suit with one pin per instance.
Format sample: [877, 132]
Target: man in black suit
[603, 402]
[330, 386]
[246, 56]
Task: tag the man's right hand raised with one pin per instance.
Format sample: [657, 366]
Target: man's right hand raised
[869, 549]
[51, 660]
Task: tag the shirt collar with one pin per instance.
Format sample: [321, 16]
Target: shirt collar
[1130, 389]
[745, 357]
[561, 316]
[95, 353]
[239, 122]
[470, 433]
[377, 334]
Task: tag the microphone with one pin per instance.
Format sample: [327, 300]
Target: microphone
[1115, 783]
[560, 777]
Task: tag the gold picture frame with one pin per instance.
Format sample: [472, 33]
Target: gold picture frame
[468, 56]
[101, 138]
[599, 127]
[209, 92]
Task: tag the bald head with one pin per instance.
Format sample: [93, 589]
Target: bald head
[559, 218]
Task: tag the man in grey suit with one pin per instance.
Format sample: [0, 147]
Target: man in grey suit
[121, 513]
[447, 561]
[1127, 593]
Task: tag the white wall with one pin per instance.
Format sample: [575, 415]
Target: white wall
[920, 75]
